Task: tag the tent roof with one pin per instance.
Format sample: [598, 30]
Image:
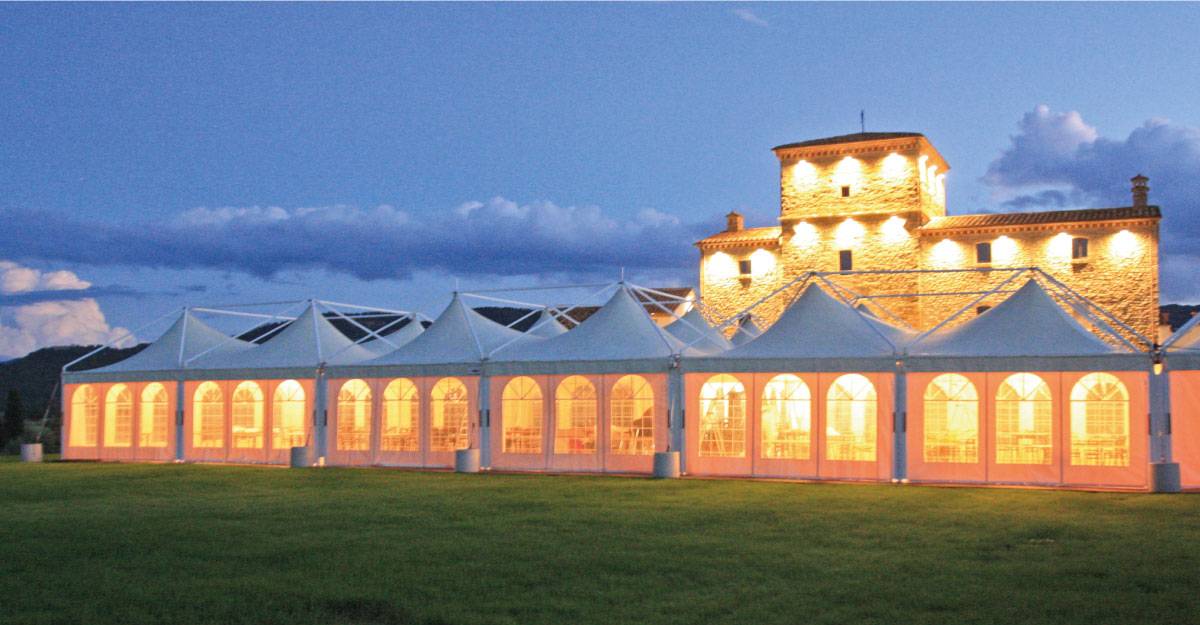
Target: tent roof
[187, 333]
[1028, 323]
[551, 328]
[1027, 331]
[747, 331]
[406, 333]
[451, 339]
[815, 333]
[307, 341]
[692, 326]
[620, 334]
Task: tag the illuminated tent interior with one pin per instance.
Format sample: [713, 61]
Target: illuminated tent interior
[593, 399]
[415, 405]
[1024, 393]
[126, 410]
[1182, 361]
[810, 397]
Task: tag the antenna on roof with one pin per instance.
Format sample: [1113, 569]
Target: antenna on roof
[862, 121]
[622, 274]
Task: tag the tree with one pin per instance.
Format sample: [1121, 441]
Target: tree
[14, 418]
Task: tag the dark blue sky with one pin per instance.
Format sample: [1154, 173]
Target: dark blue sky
[210, 153]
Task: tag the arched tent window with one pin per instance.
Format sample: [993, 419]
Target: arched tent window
[723, 417]
[1024, 428]
[118, 417]
[401, 417]
[448, 415]
[288, 416]
[786, 418]
[208, 416]
[248, 416]
[575, 412]
[632, 417]
[154, 424]
[521, 406]
[951, 420]
[1099, 421]
[354, 416]
[85, 416]
[850, 431]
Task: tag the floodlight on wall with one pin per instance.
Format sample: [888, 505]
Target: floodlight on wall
[1124, 244]
[804, 174]
[894, 166]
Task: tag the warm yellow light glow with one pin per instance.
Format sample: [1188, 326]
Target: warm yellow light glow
[154, 424]
[894, 166]
[1024, 424]
[289, 416]
[1059, 246]
[400, 429]
[786, 418]
[208, 416]
[723, 417]
[850, 427]
[806, 235]
[720, 266]
[762, 262]
[947, 252]
[848, 233]
[931, 179]
[448, 415]
[354, 416]
[921, 166]
[118, 417]
[85, 416]
[1125, 243]
[1004, 251]
[847, 172]
[939, 186]
[631, 417]
[575, 407]
[893, 229]
[951, 420]
[247, 416]
[804, 174]
[1100, 422]
[521, 412]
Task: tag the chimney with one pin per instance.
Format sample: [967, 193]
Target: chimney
[1164, 318]
[1140, 191]
[733, 222]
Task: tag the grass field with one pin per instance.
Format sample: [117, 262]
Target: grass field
[125, 543]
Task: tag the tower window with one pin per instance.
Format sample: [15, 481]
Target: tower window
[979, 310]
[846, 191]
[845, 260]
[983, 253]
[744, 267]
[1079, 248]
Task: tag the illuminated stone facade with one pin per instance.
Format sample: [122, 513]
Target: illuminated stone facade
[877, 201]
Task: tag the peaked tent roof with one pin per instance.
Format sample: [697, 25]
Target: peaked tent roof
[815, 333]
[161, 359]
[397, 339]
[620, 337]
[692, 326]
[296, 350]
[446, 347]
[1027, 331]
[552, 327]
[747, 331]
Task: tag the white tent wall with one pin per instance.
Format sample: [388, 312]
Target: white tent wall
[930, 458]
[620, 441]
[795, 455]
[118, 423]
[356, 432]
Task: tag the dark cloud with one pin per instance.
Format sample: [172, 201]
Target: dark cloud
[32, 297]
[497, 237]
[1056, 160]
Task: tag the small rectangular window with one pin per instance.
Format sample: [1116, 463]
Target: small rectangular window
[1079, 248]
[979, 310]
[845, 260]
[744, 267]
[983, 253]
[846, 191]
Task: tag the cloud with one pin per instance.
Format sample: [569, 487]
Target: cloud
[1057, 160]
[747, 15]
[44, 324]
[15, 278]
[477, 238]
[53, 308]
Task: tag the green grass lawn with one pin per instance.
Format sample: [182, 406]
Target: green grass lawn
[127, 543]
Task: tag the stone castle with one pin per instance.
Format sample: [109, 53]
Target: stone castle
[877, 202]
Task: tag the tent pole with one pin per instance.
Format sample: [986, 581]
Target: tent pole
[485, 419]
[1160, 417]
[320, 413]
[179, 433]
[675, 404]
[900, 424]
